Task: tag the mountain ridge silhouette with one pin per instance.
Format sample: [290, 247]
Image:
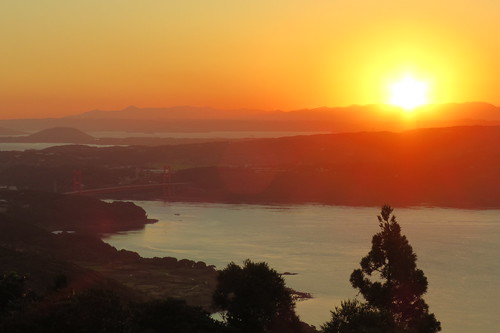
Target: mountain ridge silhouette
[372, 117]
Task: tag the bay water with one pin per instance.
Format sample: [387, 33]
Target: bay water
[458, 250]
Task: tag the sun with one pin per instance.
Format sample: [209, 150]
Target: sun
[409, 93]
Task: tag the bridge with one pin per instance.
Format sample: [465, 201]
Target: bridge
[78, 187]
[123, 188]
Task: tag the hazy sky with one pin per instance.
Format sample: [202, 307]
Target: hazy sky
[67, 56]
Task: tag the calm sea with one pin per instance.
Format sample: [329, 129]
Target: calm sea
[179, 135]
[26, 146]
[458, 250]
[37, 146]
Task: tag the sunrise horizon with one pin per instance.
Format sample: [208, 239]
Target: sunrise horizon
[67, 58]
[149, 148]
[235, 110]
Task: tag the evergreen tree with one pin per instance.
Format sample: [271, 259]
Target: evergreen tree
[398, 285]
[255, 299]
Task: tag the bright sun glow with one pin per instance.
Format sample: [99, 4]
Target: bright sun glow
[409, 93]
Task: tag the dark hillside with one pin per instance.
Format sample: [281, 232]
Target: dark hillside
[456, 166]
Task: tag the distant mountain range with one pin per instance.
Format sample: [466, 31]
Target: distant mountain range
[353, 118]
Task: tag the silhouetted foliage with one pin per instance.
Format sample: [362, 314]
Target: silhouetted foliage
[91, 311]
[11, 292]
[255, 299]
[173, 316]
[356, 317]
[60, 282]
[398, 285]
[96, 310]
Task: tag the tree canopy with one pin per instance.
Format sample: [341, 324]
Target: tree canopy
[255, 299]
[355, 317]
[390, 281]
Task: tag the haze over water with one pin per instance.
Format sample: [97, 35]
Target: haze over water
[456, 249]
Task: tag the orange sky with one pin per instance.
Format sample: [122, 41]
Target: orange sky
[63, 57]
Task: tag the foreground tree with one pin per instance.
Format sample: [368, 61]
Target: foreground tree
[91, 311]
[355, 317]
[398, 285]
[103, 311]
[172, 315]
[255, 299]
[12, 292]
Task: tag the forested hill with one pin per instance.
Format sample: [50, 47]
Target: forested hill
[456, 166]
